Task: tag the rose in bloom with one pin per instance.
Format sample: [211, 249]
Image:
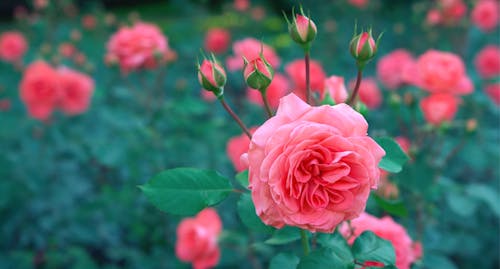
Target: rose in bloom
[138, 46]
[197, 239]
[442, 72]
[39, 90]
[485, 14]
[387, 229]
[278, 88]
[368, 92]
[335, 88]
[217, 40]
[236, 147]
[250, 48]
[296, 71]
[391, 67]
[487, 62]
[13, 45]
[493, 91]
[76, 91]
[312, 167]
[439, 107]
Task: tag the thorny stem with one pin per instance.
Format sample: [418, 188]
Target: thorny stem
[266, 103]
[235, 117]
[352, 99]
[308, 82]
[305, 242]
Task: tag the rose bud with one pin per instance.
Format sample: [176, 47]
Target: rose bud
[258, 73]
[212, 76]
[302, 29]
[363, 48]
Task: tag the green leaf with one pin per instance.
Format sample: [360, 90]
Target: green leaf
[284, 260]
[242, 178]
[393, 207]
[333, 240]
[394, 158]
[186, 191]
[369, 247]
[461, 203]
[284, 235]
[486, 194]
[326, 258]
[246, 211]
[438, 261]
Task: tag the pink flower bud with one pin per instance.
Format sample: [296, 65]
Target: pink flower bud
[302, 29]
[212, 76]
[363, 47]
[258, 74]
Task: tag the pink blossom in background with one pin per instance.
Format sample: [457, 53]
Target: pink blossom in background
[208, 96]
[217, 40]
[358, 3]
[5, 104]
[452, 11]
[40, 90]
[67, 49]
[237, 146]
[137, 46]
[433, 17]
[241, 5]
[404, 143]
[439, 107]
[40, 4]
[335, 87]
[13, 46]
[296, 71]
[390, 68]
[197, 239]
[485, 14]
[487, 62]
[442, 72]
[89, 22]
[278, 88]
[312, 167]
[493, 91]
[76, 91]
[250, 48]
[387, 229]
[368, 93]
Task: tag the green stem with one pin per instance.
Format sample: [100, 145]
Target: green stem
[235, 117]
[308, 82]
[352, 99]
[305, 242]
[266, 104]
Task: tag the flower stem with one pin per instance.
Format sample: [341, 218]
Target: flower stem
[308, 82]
[352, 99]
[305, 242]
[266, 104]
[235, 117]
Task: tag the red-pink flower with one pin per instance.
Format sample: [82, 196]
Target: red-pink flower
[487, 62]
[237, 146]
[439, 107]
[39, 90]
[391, 67]
[241, 5]
[278, 88]
[208, 95]
[493, 91]
[387, 229]
[13, 45]
[76, 91]
[139, 46]
[197, 239]
[404, 143]
[358, 3]
[442, 72]
[452, 10]
[335, 87]
[89, 22]
[296, 71]
[433, 17]
[250, 49]
[368, 92]
[217, 40]
[485, 14]
[67, 49]
[312, 167]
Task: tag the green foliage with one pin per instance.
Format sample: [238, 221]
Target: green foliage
[394, 158]
[284, 235]
[246, 211]
[284, 260]
[369, 247]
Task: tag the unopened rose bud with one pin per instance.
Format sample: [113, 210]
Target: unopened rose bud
[212, 77]
[302, 29]
[258, 74]
[363, 48]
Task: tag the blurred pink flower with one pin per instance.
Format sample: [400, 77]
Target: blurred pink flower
[76, 91]
[89, 22]
[439, 107]
[241, 5]
[237, 146]
[391, 68]
[368, 93]
[278, 88]
[335, 87]
[487, 62]
[250, 48]
[296, 71]
[493, 91]
[217, 40]
[13, 45]
[358, 3]
[485, 15]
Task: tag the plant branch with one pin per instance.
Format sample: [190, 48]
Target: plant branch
[266, 104]
[235, 117]
[305, 242]
[308, 82]
[352, 99]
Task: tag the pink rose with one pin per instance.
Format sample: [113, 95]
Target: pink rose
[442, 72]
[452, 10]
[76, 91]
[296, 71]
[278, 88]
[241, 5]
[487, 62]
[335, 87]
[485, 15]
[390, 68]
[236, 147]
[197, 239]
[250, 49]
[13, 45]
[387, 229]
[39, 90]
[493, 91]
[368, 93]
[67, 50]
[138, 46]
[217, 40]
[439, 107]
[312, 167]
[433, 17]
